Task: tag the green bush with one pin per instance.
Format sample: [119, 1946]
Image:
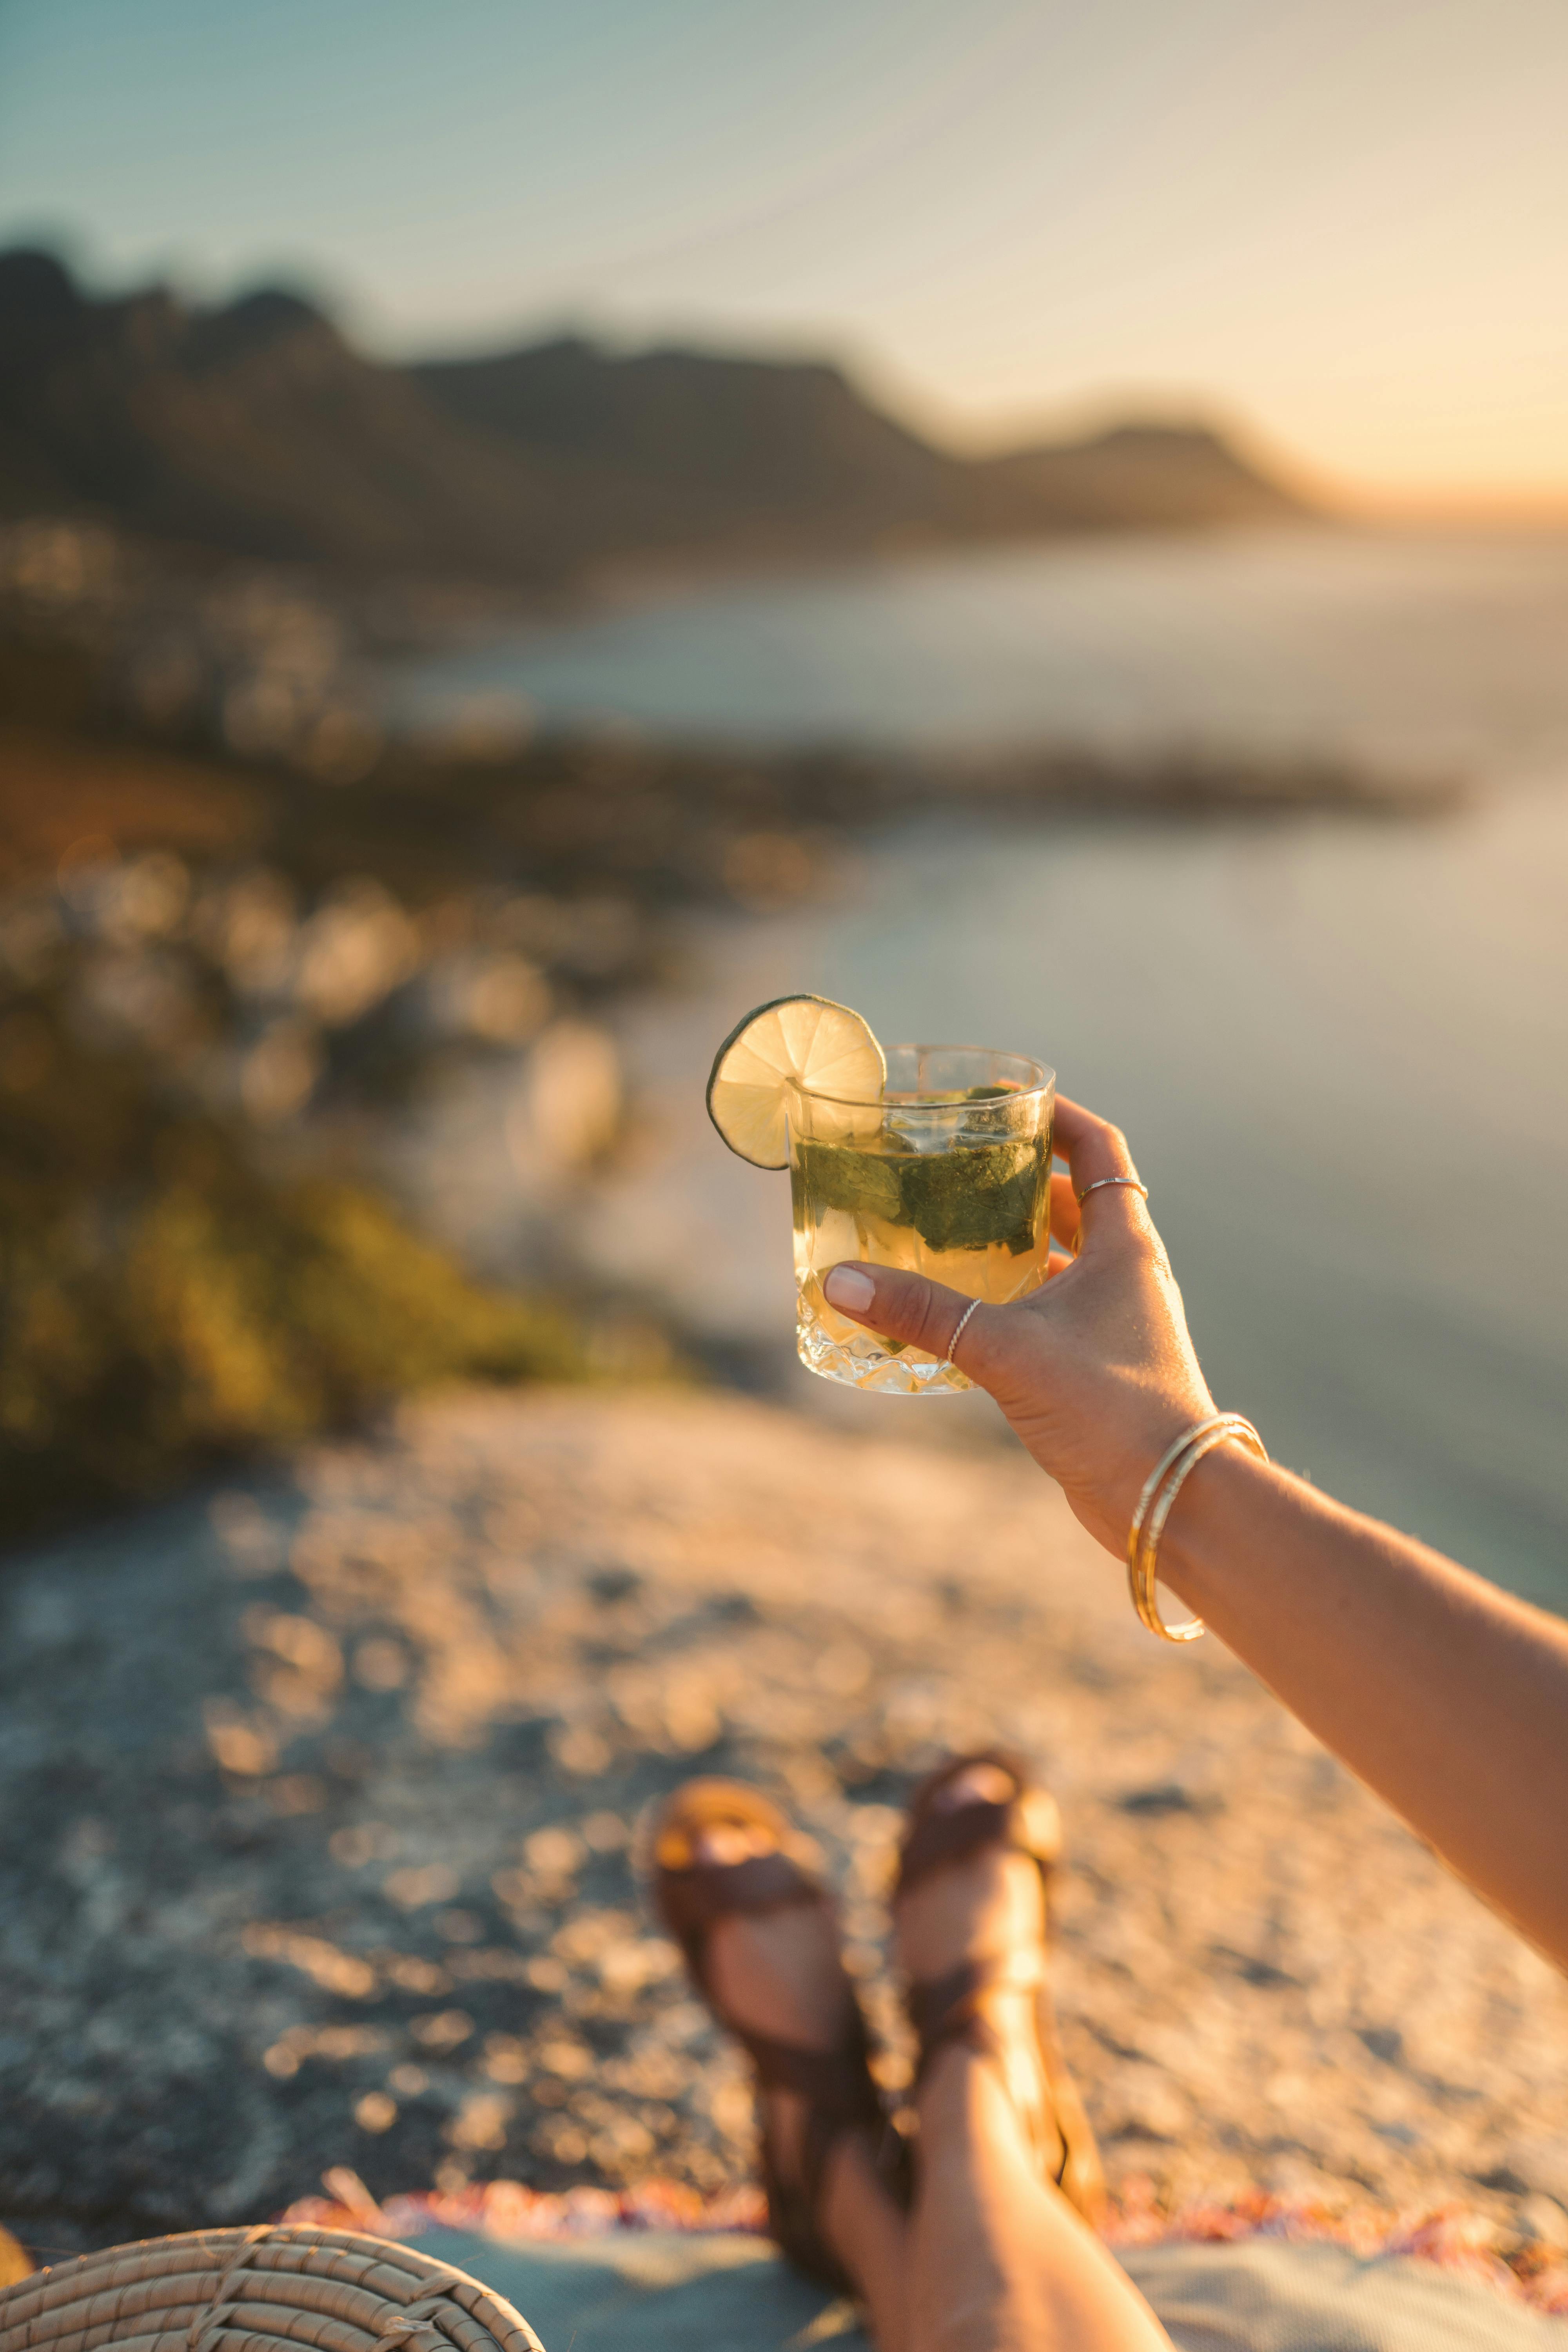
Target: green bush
[166, 1303]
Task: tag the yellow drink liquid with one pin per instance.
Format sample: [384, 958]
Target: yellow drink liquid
[963, 1199]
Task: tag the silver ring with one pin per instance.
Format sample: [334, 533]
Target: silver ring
[1101, 1181]
[958, 1331]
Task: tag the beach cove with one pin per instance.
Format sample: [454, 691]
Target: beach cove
[1337, 1045]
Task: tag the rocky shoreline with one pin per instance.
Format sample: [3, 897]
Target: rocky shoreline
[323, 1794]
[293, 672]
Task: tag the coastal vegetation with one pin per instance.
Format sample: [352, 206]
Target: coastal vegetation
[206, 1001]
[173, 1301]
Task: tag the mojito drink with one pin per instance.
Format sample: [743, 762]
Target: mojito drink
[948, 1174]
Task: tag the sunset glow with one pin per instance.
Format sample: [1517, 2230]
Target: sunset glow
[1346, 229]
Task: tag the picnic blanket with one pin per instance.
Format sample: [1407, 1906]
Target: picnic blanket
[725, 2291]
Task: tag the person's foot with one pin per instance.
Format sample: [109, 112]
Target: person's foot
[986, 1908]
[779, 1973]
[737, 1886]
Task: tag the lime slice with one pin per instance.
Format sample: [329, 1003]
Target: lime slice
[809, 1040]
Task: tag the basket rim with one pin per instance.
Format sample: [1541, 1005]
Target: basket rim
[363, 2294]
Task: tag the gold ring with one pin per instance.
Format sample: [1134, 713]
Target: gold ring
[1097, 1185]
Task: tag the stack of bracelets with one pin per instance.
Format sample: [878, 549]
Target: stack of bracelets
[1164, 1484]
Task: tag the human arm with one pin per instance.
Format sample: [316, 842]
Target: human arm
[1446, 1695]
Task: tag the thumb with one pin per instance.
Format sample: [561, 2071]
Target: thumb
[908, 1307]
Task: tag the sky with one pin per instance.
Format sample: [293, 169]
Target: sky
[1343, 223]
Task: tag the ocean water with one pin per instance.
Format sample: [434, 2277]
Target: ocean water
[1340, 1048]
[1390, 645]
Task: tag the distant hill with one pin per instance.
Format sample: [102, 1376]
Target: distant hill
[1129, 477]
[685, 447]
[669, 448]
[255, 428]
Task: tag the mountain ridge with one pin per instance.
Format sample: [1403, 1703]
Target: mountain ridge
[255, 428]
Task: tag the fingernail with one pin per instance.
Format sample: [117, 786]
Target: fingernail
[848, 1286]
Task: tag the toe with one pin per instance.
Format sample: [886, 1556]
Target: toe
[982, 1784]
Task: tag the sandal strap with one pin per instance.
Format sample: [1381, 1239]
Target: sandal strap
[836, 2085]
[952, 2008]
[794, 2207]
[946, 2008]
[694, 1899]
[1056, 2161]
[939, 1837]
[1026, 1822]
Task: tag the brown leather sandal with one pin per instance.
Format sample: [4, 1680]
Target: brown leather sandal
[952, 2008]
[690, 1895]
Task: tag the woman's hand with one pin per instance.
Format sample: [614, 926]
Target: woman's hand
[1444, 1694]
[1095, 1370]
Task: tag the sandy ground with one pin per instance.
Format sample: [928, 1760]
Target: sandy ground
[333, 1783]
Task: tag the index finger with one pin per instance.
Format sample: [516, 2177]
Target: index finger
[1094, 1150]
[1091, 1147]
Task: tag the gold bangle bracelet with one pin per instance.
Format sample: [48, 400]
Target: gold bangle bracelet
[1151, 1486]
[1161, 1488]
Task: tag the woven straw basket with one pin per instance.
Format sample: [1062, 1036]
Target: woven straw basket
[256, 2291]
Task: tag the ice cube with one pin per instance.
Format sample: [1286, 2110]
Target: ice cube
[921, 1134]
[836, 1237]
